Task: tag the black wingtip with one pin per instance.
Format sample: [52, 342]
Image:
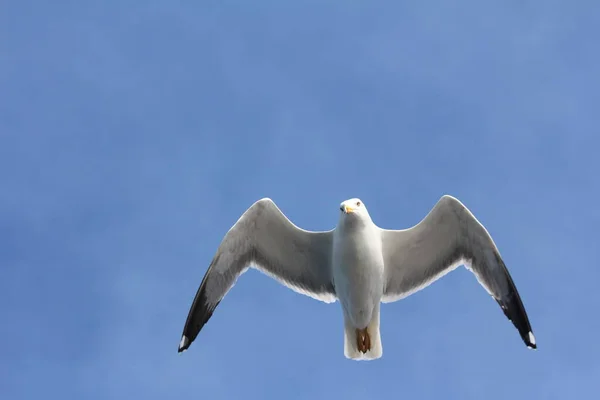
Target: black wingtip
[199, 314]
[530, 340]
[183, 344]
[513, 308]
[515, 312]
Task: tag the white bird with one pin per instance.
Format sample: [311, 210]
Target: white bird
[357, 263]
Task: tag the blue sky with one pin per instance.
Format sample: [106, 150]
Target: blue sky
[134, 134]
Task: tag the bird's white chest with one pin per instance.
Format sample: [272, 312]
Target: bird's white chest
[358, 270]
[357, 252]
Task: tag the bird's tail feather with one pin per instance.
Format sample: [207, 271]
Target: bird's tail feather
[351, 350]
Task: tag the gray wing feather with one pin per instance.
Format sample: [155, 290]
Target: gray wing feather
[447, 237]
[264, 238]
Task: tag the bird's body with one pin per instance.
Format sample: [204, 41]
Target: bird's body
[358, 276]
[357, 263]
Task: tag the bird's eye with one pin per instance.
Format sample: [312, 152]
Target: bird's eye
[358, 203]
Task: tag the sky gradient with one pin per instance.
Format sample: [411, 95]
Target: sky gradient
[134, 134]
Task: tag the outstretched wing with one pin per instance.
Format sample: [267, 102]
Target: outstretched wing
[265, 238]
[446, 238]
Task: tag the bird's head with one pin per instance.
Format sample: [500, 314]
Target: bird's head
[352, 206]
[354, 210]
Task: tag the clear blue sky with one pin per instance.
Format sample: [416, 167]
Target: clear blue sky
[134, 134]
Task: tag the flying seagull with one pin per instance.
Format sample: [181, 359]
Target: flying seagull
[357, 263]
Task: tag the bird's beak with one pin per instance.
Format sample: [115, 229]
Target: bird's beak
[347, 209]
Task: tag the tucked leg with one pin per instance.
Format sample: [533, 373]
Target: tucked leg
[363, 340]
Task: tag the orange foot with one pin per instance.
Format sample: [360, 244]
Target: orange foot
[363, 340]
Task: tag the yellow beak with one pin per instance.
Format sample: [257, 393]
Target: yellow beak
[348, 209]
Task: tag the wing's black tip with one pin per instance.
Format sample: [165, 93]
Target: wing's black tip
[515, 312]
[199, 314]
[530, 340]
[184, 344]
[513, 308]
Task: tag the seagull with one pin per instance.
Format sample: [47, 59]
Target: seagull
[357, 263]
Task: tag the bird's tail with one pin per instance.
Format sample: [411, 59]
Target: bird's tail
[371, 343]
